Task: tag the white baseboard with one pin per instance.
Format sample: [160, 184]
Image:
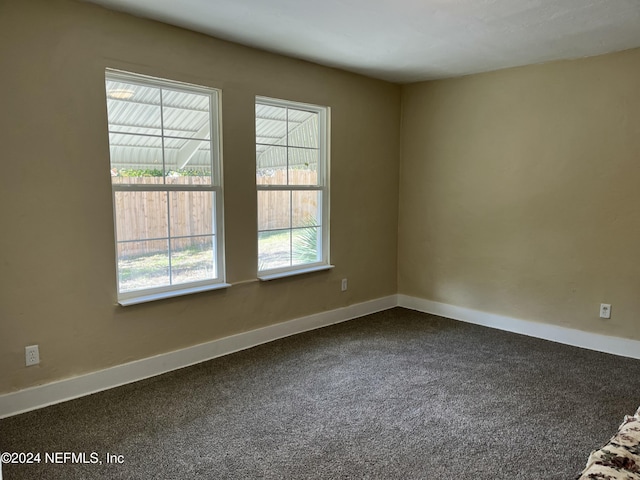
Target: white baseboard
[602, 343]
[67, 389]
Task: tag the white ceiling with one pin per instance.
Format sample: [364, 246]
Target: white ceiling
[409, 40]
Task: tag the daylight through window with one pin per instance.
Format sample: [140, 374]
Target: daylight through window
[292, 184]
[166, 184]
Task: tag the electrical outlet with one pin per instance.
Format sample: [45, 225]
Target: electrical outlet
[32, 355]
[344, 285]
[605, 310]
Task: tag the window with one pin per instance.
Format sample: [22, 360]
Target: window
[166, 185]
[293, 188]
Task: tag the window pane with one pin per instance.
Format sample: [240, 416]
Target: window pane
[141, 215]
[274, 249]
[187, 100]
[290, 162]
[191, 213]
[135, 159]
[143, 265]
[303, 166]
[185, 115]
[306, 208]
[306, 245]
[133, 108]
[162, 135]
[303, 128]
[193, 259]
[187, 161]
[274, 210]
[271, 165]
[271, 125]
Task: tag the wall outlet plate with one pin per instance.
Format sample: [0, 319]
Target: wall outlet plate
[605, 310]
[32, 355]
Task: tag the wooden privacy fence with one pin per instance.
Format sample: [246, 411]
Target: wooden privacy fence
[145, 215]
[282, 209]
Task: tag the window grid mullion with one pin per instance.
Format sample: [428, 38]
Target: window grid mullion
[137, 187]
[214, 160]
[290, 224]
[287, 142]
[292, 188]
[151, 135]
[169, 199]
[263, 230]
[261, 144]
[178, 237]
[164, 181]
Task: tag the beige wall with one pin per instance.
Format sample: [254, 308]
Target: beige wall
[56, 248]
[519, 190]
[520, 193]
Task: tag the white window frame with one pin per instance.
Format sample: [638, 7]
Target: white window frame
[215, 109]
[324, 135]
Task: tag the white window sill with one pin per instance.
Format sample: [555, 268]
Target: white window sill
[291, 273]
[125, 302]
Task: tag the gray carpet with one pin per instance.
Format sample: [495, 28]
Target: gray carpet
[398, 394]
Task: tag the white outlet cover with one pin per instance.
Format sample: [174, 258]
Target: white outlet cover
[32, 355]
[605, 310]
